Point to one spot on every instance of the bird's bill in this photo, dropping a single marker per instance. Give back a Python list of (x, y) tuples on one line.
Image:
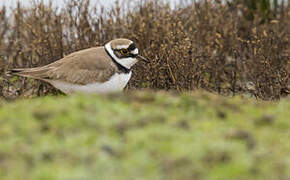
[(143, 58)]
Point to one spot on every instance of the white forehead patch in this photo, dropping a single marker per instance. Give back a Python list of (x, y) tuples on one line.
[(135, 51)]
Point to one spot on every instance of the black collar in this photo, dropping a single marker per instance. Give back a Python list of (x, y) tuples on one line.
[(119, 66)]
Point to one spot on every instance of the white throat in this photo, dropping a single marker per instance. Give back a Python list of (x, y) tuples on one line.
[(126, 62)]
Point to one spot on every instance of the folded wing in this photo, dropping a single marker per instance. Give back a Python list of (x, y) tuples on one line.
[(82, 67)]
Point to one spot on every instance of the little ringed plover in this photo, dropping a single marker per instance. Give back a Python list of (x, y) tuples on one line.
[(103, 69)]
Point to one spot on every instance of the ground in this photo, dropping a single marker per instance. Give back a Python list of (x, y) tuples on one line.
[(144, 135)]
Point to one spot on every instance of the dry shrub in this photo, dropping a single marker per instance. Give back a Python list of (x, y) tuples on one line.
[(197, 45)]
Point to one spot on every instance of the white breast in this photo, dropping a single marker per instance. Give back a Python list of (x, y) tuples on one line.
[(116, 83)]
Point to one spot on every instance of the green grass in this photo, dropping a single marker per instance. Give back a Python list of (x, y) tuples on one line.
[(144, 136)]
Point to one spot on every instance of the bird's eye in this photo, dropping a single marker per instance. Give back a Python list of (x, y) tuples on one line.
[(124, 51)]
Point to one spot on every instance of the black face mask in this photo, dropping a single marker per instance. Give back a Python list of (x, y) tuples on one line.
[(132, 47)]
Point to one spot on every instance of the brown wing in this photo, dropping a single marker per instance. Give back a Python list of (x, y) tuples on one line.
[(82, 67)]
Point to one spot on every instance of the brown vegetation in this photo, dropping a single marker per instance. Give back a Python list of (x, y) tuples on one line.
[(198, 45)]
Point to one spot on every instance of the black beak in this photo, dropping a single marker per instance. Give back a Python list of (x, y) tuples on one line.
[(143, 58)]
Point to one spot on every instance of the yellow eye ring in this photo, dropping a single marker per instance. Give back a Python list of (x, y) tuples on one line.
[(124, 51)]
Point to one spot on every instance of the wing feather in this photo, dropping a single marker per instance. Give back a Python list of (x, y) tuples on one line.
[(82, 67)]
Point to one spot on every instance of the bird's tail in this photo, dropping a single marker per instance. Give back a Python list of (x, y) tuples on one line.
[(36, 73), (13, 72)]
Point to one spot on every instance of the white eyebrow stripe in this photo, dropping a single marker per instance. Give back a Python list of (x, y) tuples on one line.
[(135, 51)]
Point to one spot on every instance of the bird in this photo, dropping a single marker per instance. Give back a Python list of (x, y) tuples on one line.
[(99, 70)]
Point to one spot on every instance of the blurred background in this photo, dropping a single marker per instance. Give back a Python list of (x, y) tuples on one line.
[(227, 47), (106, 3), (212, 104)]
